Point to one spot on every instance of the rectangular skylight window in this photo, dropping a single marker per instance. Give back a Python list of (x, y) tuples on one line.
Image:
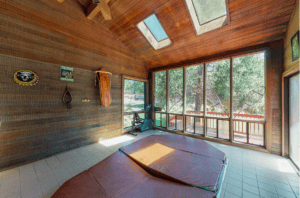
[(209, 10), (207, 15), (154, 32), (155, 27)]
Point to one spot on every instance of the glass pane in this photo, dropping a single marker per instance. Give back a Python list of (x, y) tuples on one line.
[(189, 124), (240, 131), (249, 87), (128, 121), (176, 91), (179, 123), (294, 119), (194, 90), (155, 27), (134, 95), (256, 134), (142, 115), (199, 126), (223, 127), (161, 90), (211, 127), (209, 10), (172, 122), (218, 88), (164, 120), (157, 119)]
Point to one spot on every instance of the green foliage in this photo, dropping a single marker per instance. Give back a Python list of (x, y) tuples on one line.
[(176, 90), (160, 90), (218, 79), (248, 78), (132, 86), (194, 87)]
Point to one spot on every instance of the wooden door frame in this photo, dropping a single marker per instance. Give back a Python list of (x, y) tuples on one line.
[(146, 81)]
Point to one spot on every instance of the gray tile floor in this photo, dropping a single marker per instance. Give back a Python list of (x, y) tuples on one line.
[(250, 174)]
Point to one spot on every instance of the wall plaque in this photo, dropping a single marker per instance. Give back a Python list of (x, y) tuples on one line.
[(26, 78), (67, 73)]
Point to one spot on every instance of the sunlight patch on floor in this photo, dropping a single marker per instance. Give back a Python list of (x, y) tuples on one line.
[(116, 140)]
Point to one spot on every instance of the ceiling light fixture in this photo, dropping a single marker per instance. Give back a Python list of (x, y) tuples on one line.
[(96, 1)]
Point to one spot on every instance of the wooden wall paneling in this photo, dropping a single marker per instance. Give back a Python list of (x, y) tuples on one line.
[(36, 124), (274, 65), (84, 36), (253, 38), (293, 27), (41, 36), (252, 23)]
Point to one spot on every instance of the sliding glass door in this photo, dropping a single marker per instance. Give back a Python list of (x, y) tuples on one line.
[(294, 120), (134, 100)]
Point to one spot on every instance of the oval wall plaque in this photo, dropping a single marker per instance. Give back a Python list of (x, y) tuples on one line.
[(26, 78)]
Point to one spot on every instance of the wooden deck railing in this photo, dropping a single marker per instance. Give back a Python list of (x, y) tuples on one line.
[(247, 128)]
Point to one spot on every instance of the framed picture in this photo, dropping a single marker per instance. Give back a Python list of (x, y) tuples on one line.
[(66, 73), (295, 46)]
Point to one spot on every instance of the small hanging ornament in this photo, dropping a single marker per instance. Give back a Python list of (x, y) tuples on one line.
[(67, 98)]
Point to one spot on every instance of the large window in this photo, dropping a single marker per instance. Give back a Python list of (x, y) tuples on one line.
[(249, 87), (134, 95), (218, 88), (161, 90), (249, 98), (208, 108), (134, 100), (176, 91), (194, 89)]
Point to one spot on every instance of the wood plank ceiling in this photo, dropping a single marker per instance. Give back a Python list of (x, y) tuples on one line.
[(251, 22)]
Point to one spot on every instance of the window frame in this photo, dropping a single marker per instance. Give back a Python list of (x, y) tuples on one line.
[(210, 25), (149, 36), (231, 119), (126, 77)]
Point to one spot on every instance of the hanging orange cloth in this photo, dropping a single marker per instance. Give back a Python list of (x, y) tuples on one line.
[(104, 85)]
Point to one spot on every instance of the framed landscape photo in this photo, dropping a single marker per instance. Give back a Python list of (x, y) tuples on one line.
[(66, 73), (295, 46)]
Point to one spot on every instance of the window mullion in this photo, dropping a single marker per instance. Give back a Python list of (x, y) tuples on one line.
[(231, 101), (167, 91), (204, 101)]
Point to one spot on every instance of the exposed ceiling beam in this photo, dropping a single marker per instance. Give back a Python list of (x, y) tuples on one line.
[(60, 1), (93, 9)]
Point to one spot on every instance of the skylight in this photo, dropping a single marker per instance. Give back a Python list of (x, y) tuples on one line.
[(154, 32), (207, 15), (156, 28)]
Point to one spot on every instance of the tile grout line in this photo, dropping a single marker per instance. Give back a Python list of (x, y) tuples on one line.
[(66, 167), (52, 172), (37, 180)]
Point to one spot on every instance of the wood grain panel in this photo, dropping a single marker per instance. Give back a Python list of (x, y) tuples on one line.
[(60, 33), (293, 28), (274, 68), (36, 124), (41, 36), (252, 22)]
